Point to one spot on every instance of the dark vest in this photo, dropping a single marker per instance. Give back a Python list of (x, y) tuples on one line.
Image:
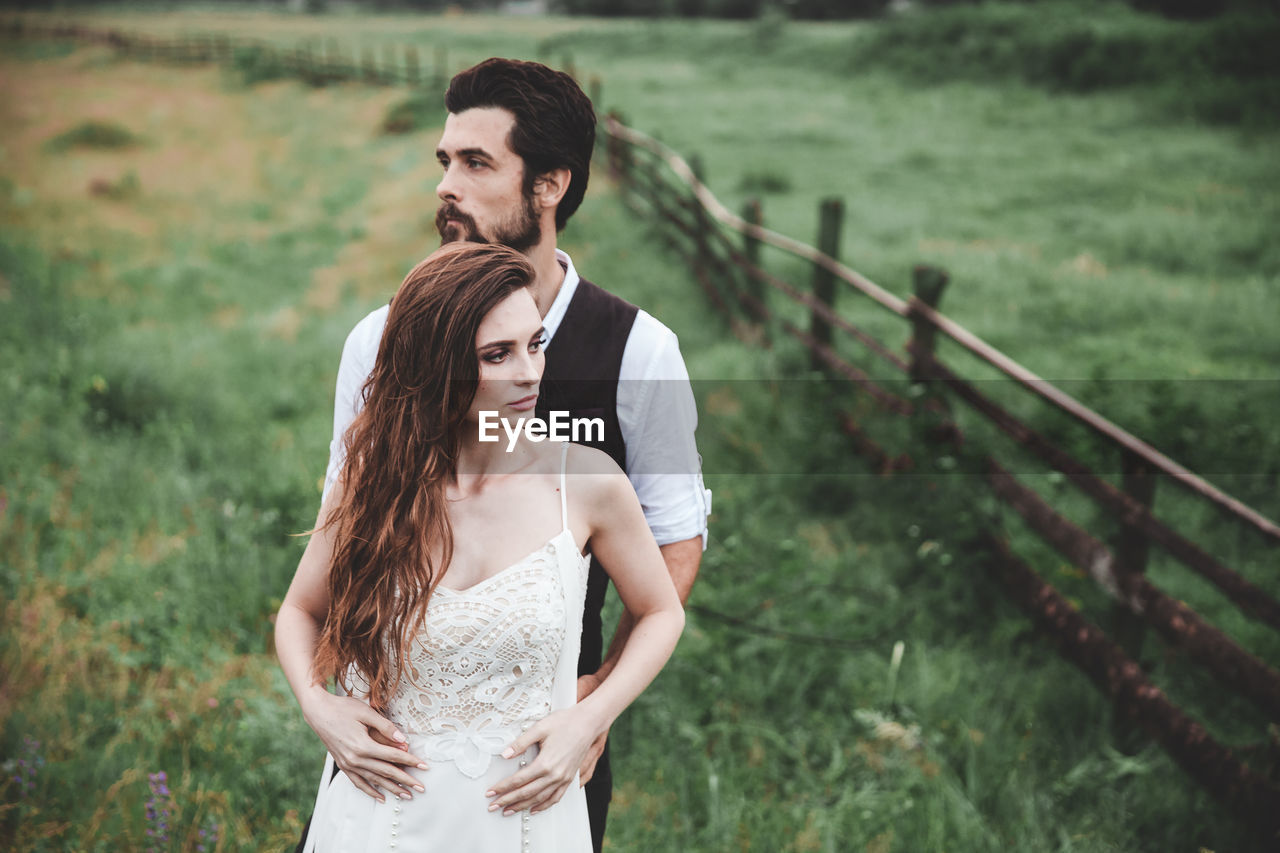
[(584, 359)]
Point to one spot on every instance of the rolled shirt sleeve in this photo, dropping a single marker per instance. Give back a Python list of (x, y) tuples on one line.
[(658, 416)]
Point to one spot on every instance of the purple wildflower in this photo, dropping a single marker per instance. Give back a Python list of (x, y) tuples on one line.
[(208, 837), (158, 808), (28, 766)]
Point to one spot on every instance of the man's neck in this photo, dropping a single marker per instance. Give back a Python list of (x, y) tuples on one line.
[(550, 274)]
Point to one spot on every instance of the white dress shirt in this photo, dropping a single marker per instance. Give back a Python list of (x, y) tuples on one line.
[(656, 413)]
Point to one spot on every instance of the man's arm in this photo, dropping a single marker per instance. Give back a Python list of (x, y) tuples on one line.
[(682, 559), (658, 418), (358, 356)]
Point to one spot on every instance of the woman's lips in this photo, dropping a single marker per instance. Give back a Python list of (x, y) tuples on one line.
[(524, 404)]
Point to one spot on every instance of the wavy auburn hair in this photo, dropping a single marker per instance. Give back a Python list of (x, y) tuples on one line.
[(401, 452)]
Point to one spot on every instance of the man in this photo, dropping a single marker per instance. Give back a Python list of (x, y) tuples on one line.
[(516, 154)]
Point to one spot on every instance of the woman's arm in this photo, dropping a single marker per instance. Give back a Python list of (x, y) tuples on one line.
[(621, 539), (346, 725)]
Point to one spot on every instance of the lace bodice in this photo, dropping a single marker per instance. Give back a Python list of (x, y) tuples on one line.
[(482, 668)]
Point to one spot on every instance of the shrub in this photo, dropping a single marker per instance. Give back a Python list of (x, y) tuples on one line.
[(764, 181), (1228, 65), (416, 112), (94, 134), (257, 63)]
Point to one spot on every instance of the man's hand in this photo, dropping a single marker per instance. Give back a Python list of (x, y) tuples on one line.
[(586, 686), (366, 746)]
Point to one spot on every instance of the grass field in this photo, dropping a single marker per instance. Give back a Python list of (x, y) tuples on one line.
[(171, 312)]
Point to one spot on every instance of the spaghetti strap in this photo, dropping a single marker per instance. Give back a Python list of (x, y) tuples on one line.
[(564, 504)]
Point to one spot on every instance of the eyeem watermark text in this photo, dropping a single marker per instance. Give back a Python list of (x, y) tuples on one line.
[(559, 427)]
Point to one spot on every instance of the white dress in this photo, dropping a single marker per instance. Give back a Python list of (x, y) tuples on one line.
[(491, 660)]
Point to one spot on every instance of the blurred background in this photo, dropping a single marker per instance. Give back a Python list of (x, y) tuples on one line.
[(199, 200)]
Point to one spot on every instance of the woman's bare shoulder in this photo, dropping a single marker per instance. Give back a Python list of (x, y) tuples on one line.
[(589, 460), (595, 474)]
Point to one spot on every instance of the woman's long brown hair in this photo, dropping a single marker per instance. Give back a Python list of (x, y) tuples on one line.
[(392, 539)]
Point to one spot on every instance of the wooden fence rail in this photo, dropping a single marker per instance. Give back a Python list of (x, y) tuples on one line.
[(653, 178), (391, 65), (953, 330)]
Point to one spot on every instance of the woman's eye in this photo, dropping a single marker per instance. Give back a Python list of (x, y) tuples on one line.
[(537, 343), (495, 357)]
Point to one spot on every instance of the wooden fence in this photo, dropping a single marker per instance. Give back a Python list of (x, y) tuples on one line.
[(723, 249), (316, 61), (657, 181)]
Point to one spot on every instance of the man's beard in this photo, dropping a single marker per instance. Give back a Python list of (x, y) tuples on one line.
[(521, 233)]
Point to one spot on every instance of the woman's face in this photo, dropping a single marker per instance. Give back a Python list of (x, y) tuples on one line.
[(509, 349)]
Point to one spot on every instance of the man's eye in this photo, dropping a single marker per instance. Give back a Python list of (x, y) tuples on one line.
[(475, 164)]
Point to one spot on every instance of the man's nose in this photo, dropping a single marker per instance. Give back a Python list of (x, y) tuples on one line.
[(446, 190)]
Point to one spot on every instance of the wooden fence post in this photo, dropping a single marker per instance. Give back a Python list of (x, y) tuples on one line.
[(597, 104), (307, 63), (412, 70), (332, 64), (1138, 480), (830, 219), (1130, 549), (928, 283), (753, 213), (593, 92), (613, 148), (701, 259), (390, 66), (440, 71)]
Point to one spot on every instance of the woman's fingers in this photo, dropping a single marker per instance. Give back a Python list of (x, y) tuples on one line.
[(395, 755), (363, 785), (533, 735), (389, 777), (520, 799), (536, 785), (382, 728), (588, 768), (555, 795)]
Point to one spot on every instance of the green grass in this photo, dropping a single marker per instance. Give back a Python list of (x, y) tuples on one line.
[(166, 364)]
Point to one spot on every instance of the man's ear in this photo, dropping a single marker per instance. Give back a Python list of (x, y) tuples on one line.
[(550, 187)]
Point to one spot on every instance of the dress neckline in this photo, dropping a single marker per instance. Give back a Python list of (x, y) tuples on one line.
[(526, 558)]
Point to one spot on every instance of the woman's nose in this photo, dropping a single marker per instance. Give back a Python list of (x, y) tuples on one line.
[(531, 364)]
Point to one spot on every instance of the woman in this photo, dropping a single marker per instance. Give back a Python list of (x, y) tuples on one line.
[(443, 586)]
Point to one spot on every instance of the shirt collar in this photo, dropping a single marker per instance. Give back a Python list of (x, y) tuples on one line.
[(555, 314)]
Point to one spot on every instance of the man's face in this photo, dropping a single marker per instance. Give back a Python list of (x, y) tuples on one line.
[(481, 189)]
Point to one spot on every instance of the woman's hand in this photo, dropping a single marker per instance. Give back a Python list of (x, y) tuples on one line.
[(563, 739), (365, 745)]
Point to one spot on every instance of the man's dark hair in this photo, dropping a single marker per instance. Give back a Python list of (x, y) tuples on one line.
[(555, 124)]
